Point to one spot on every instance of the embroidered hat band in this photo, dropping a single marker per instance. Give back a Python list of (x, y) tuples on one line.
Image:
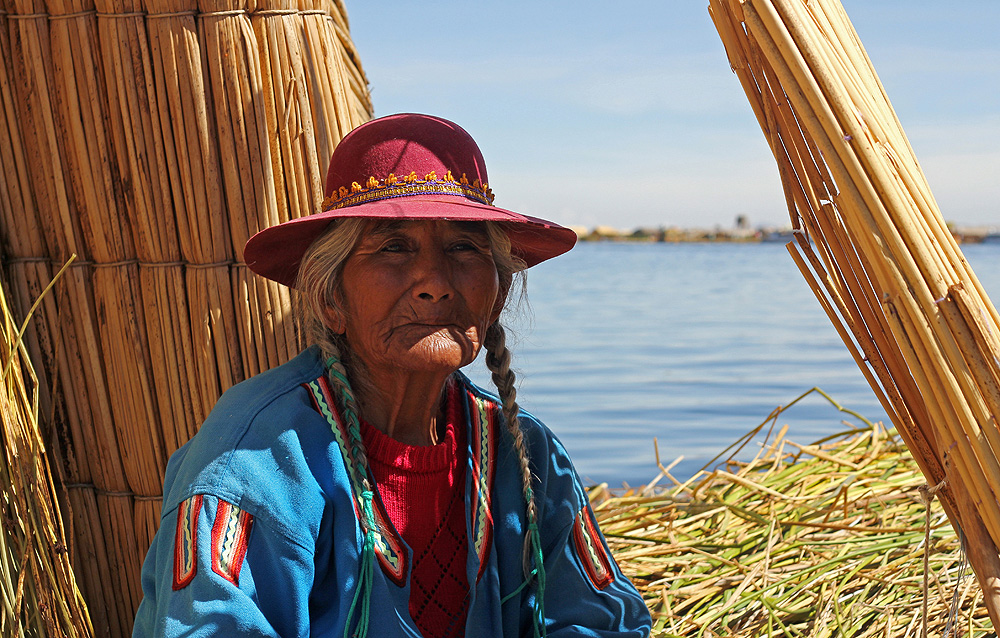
[(392, 186)]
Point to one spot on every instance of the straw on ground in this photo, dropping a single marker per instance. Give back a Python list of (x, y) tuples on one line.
[(828, 539)]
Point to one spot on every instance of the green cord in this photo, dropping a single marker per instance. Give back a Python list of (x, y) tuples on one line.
[(533, 549), (520, 588), (539, 571), (366, 573)]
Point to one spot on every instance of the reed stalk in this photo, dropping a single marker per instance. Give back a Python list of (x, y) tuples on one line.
[(37, 583)]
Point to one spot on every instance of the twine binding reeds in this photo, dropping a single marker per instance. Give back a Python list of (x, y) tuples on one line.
[(152, 138), (874, 248)]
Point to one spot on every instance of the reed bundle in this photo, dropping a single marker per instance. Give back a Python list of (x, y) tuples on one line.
[(837, 538), (875, 249), (152, 138), (39, 592)]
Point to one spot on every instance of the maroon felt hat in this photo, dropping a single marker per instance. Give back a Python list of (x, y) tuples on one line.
[(405, 166)]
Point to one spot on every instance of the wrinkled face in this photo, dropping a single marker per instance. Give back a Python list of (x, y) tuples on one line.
[(418, 296)]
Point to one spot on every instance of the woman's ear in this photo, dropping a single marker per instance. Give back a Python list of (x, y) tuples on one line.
[(334, 320)]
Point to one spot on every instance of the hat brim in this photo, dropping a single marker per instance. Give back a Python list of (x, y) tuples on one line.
[(276, 252)]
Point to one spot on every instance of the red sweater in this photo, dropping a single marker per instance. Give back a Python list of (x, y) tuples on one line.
[(423, 490)]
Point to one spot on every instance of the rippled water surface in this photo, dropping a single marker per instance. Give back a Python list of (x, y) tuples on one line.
[(693, 344)]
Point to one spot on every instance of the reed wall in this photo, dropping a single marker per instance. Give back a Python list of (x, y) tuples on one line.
[(151, 138)]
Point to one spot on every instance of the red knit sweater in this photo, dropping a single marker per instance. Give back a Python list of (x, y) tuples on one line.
[(423, 489)]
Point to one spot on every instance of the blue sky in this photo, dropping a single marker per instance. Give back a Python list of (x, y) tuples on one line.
[(627, 113)]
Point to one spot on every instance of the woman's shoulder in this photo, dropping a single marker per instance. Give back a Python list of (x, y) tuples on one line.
[(262, 405), (255, 448), (254, 394), (535, 430), (559, 489)]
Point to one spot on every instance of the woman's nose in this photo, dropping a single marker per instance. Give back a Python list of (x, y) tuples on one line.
[(432, 276)]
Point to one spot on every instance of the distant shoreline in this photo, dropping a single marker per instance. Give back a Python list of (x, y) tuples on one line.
[(745, 235)]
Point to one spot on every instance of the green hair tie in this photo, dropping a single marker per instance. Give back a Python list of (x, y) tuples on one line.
[(533, 538), (363, 592), (539, 572)]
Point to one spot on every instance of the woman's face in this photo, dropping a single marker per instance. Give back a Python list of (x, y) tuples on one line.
[(418, 296)]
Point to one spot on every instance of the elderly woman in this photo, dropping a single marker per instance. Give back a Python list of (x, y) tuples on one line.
[(367, 487)]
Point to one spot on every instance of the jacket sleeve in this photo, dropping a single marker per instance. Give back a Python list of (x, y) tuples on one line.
[(215, 570)]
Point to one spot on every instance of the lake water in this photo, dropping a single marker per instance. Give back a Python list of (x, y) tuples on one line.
[(693, 344)]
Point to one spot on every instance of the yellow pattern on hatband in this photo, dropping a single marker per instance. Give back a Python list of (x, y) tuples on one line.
[(392, 186)]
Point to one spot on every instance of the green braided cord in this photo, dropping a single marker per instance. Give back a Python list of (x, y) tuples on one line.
[(534, 540), (363, 591), (520, 588), (539, 571)]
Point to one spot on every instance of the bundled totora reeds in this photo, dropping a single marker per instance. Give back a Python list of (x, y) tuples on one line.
[(151, 138), (839, 538), (875, 249)]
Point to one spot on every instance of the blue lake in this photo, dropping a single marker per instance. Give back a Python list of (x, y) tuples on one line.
[(692, 344)]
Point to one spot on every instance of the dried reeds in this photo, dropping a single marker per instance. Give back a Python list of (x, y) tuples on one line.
[(838, 538), (152, 138), (875, 249), (39, 591)]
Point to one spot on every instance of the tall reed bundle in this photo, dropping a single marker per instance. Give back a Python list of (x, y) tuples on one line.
[(875, 249), (838, 538), (152, 138), (39, 592)]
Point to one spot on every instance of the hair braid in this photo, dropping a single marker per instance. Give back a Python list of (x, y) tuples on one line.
[(337, 374), (498, 361)]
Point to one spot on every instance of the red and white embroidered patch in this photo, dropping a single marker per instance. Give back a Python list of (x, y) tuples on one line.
[(230, 534), (186, 541), (590, 550)]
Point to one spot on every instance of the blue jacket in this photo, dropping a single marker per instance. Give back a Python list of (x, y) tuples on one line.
[(259, 534)]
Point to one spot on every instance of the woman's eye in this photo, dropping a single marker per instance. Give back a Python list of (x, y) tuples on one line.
[(393, 247), (465, 245)]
